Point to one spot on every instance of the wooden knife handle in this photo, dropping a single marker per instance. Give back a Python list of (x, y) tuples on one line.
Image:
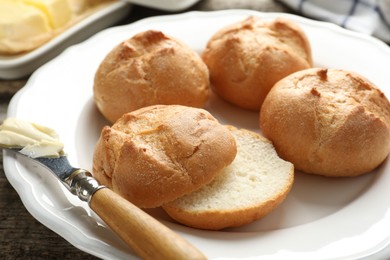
[(149, 238)]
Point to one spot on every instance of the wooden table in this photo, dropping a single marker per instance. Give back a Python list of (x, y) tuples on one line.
[(23, 237)]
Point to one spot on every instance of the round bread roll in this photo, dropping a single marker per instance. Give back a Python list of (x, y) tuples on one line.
[(148, 69), (246, 59), (156, 154), (327, 121), (253, 185)]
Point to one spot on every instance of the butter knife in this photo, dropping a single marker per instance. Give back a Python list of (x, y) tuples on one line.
[(148, 237)]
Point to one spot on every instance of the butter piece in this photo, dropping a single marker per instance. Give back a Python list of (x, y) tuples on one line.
[(19, 22), (28, 24), (33, 139), (58, 12)]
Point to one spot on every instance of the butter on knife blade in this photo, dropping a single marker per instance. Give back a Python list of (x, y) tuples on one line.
[(33, 139)]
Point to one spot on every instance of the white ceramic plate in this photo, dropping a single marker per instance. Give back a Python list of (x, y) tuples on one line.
[(322, 218), (19, 66)]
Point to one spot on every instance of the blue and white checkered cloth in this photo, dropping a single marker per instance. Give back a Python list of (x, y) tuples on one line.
[(367, 16)]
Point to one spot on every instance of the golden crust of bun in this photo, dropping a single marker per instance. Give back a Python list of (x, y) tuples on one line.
[(247, 58), (148, 69), (156, 154), (329, 122)]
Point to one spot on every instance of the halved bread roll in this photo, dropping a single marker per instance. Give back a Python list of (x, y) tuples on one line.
[(254, 184), (158, 153)]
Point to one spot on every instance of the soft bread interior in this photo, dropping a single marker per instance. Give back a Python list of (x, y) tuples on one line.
[(255, 183)]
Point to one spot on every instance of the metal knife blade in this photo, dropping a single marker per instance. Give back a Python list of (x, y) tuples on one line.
[(60, 166), (78, 181)]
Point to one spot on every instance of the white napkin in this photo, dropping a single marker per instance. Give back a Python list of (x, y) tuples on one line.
[(367, 16)]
